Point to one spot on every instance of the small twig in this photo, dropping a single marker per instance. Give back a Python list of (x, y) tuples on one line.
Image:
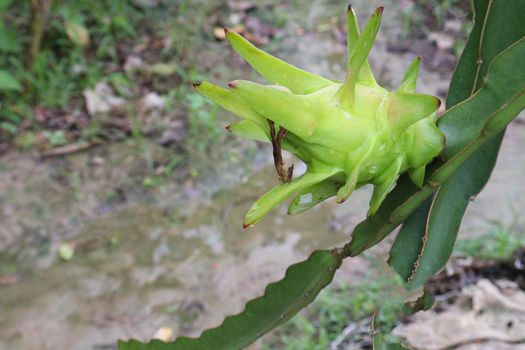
[(69, 148), (351, 328), (482, 340), (38, 14), (284, 175)]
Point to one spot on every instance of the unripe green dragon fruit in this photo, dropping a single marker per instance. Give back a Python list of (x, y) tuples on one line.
[(348, 134)]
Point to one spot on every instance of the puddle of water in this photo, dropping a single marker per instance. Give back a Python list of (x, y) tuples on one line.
[(145, 267)]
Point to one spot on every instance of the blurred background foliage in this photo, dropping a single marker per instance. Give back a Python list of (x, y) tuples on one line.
[(78, 73)]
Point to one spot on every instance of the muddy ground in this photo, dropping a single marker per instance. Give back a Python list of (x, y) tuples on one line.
[(141, 257)]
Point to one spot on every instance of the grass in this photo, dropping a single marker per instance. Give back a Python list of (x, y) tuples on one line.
[(169, 39), (499, 242), (64, 65)]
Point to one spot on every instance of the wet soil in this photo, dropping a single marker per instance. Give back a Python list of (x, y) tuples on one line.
[(175, 254)]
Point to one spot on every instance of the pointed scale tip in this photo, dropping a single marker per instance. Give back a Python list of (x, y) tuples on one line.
[(379, 10), (226, 30), (245, 226), (228, 128), (233, 84), (349, 8), (196, 85)]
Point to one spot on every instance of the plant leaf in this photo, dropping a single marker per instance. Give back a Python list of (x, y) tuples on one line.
[(4, 5), (497, 27), (9, 39), (281, 301), (77, 33), (8, 82)]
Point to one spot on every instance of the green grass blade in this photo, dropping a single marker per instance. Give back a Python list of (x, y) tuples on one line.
[(281, 301), (8, 82)]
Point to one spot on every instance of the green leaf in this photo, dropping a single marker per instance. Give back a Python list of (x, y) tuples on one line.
[(379, 343), (497, 26), (4, 5), (281, 301), (8, 82), (9, 40), (9, 127), (77, 33), (164, 69)]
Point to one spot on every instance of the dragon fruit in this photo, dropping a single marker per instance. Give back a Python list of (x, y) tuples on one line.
[(349, 133)]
